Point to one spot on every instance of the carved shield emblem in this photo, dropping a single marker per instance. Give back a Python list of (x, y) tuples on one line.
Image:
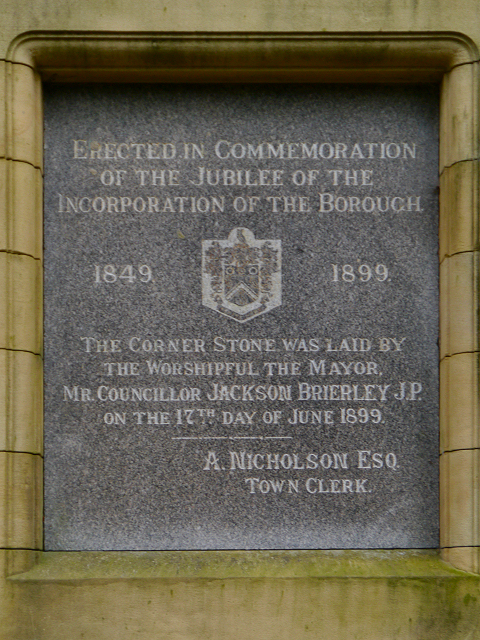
[(241, 276)]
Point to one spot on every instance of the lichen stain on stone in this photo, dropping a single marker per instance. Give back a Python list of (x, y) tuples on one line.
[(469, 598)]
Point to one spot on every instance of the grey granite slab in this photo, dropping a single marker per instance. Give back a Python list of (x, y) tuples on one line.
[(241, 317)]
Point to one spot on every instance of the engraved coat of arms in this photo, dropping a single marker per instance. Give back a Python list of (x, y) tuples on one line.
[(241, 276)]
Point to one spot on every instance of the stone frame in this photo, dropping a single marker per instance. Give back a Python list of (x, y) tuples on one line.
[(448, 58)]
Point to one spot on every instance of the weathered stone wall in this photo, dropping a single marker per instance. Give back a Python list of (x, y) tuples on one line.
[(186, 595)]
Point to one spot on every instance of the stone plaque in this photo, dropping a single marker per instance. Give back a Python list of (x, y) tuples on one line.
[(241, 316)]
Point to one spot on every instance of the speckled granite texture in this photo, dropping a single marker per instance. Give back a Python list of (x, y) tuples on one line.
[(241, 317)]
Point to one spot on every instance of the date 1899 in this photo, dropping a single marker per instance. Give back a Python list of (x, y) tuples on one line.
[(364, 273)]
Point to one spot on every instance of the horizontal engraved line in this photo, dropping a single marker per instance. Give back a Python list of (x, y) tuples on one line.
[(200, 438), (232, 437)]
